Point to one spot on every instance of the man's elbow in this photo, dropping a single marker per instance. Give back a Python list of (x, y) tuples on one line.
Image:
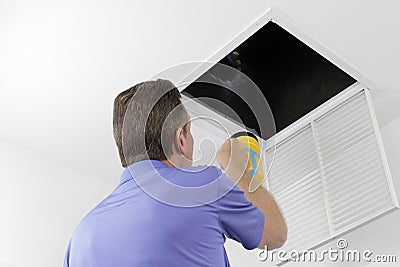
[(274, 240), (282, 236)]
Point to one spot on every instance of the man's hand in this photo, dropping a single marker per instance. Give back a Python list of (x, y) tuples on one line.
[(233, 159)]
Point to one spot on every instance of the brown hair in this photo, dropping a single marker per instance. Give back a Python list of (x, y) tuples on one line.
[(153, 109)]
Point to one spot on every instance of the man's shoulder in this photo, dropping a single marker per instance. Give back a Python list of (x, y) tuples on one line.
[(197, 175)]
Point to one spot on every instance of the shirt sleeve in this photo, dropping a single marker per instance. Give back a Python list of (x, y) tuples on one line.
[(239, 219), (66, 257)]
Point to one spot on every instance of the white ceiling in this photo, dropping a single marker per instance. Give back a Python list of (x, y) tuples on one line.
[(62, 63)]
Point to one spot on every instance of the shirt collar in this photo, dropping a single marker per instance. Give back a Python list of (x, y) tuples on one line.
[(140, 167)]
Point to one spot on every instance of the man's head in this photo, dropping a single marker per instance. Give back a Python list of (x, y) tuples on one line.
[(150, 122)]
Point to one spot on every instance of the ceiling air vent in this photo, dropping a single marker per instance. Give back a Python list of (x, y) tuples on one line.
[(329, 172)]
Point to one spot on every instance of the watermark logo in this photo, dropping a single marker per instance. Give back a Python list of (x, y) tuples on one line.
[(342, 243), (136, 127), (340, 253)]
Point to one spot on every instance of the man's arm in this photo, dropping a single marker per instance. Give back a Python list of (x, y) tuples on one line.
[(234, 160)]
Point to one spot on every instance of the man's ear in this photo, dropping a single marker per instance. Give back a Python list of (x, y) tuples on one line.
[(179, 140)]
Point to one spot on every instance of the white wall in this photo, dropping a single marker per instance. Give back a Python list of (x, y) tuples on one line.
[(41, 202), (63, 62), (391, 140)]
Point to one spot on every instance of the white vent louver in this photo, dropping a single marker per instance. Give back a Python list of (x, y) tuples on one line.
[(329, 173), (295, 182)]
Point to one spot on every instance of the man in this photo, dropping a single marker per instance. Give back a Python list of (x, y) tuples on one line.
[(135, 226)]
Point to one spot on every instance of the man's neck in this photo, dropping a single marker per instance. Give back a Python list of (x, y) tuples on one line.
[(169, 164)]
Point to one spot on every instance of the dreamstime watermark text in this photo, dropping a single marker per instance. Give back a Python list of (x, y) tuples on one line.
[(340, 253)]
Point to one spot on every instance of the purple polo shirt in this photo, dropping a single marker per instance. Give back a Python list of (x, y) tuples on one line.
[(131, 227)]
